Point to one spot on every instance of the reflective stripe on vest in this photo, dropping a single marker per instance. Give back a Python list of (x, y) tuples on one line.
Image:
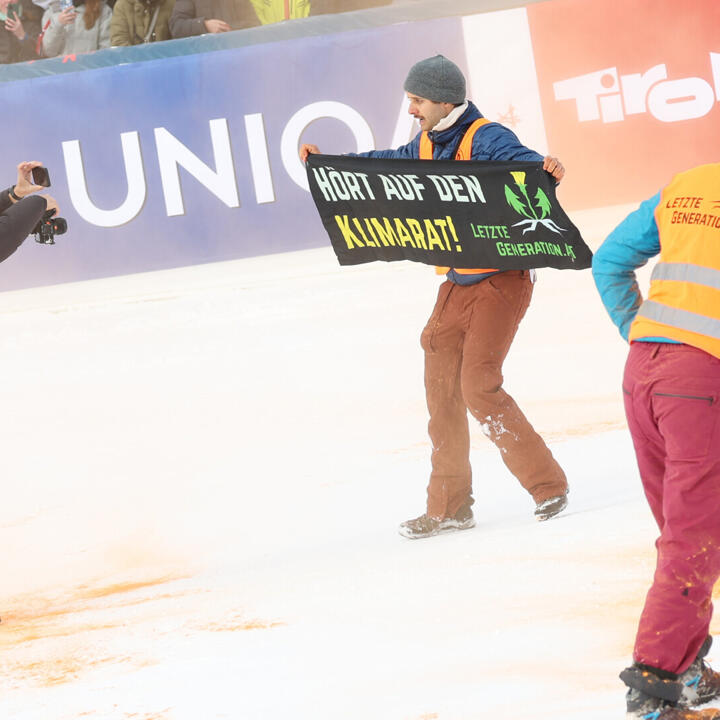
[(683, 302), (464, 152), (683, 319), (684, 272), (680, 319)]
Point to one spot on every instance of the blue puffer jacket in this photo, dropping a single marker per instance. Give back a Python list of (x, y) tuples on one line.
[(491, 142)]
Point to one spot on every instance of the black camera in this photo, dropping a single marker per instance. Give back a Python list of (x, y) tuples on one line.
[(48, 227)]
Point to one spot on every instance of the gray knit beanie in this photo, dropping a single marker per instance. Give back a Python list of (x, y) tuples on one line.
[(437, 79)]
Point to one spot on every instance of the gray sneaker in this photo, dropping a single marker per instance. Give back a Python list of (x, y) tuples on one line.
[(551, 507), (426, 526)]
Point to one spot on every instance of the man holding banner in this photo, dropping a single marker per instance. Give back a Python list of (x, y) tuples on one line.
[(478, 309)]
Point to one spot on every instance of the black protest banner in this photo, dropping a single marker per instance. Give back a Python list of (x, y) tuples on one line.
[(473, 214)]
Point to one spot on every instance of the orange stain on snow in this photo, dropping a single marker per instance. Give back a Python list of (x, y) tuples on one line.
[(123, 587), (242, 625), (52, 641), (38, 619), (58, 671), (235, 625)]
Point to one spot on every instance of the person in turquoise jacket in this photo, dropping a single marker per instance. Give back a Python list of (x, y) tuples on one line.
[(671, 393), (626, 249)]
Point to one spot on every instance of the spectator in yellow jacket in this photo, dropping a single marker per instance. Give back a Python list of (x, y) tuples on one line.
[(272, 11)]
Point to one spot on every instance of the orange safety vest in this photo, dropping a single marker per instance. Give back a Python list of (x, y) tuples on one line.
[(683, 302), (464, 152)]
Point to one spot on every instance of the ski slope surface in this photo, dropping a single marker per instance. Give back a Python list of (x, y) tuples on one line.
[(203, 474)]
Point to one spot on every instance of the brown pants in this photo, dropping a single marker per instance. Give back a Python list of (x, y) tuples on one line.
[(466, 340)]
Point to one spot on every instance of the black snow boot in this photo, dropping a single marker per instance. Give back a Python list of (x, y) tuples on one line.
[(701, 683), (654, 694)]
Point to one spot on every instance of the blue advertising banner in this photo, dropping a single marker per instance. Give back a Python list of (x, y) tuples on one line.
[(193, 159)]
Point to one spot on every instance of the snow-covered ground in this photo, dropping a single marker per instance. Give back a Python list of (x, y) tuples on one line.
[(203, 474)]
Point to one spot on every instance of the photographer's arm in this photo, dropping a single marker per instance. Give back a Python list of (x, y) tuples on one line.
[(18, 220), (5, 201)]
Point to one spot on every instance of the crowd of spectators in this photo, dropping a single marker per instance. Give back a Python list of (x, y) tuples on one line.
[(33, 29)]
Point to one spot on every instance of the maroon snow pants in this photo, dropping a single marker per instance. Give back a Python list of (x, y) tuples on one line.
[(672, 402), (466, 340)]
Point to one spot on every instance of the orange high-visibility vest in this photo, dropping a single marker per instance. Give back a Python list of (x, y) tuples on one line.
[(683, 302), (464, 152)]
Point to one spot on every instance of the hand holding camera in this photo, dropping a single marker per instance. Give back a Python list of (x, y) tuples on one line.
[(16, 28), (67, 17), (13, 23), (32, 176), (67, 12), (24, 211)]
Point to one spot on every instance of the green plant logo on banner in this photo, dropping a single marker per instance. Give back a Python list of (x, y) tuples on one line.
[(526, 208)]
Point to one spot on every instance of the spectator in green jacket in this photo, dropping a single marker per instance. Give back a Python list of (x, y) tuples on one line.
[(135, 22)]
